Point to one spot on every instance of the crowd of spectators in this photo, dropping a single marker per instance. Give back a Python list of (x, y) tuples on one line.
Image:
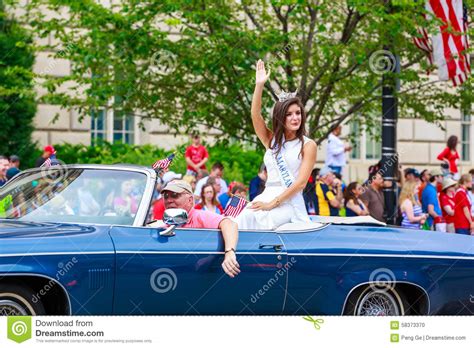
[(439, 199)]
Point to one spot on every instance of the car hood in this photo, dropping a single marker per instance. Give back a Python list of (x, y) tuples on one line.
[(17, 229)]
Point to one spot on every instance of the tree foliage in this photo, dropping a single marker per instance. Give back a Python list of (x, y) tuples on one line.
[(17, 98), (191, 62)]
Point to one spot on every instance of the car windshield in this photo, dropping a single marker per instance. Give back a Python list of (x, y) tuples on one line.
[(97, 196)]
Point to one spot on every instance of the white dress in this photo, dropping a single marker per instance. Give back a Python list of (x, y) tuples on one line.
[(292, 210)]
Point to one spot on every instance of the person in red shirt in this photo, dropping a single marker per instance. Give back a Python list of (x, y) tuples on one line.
[(462, 207), (178, 194), (158, 209), (446, 200), (451, 156), (196, 156)]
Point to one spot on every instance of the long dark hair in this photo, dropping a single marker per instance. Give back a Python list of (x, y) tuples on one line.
[(452, 142), (214, 196), (278, 122), (348, 194)]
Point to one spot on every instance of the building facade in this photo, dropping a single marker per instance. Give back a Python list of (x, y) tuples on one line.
[(419, 142)]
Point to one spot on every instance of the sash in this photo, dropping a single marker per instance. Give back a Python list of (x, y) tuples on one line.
[(286, 177)]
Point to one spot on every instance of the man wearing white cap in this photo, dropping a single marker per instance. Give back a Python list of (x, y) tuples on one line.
[(179, 194)]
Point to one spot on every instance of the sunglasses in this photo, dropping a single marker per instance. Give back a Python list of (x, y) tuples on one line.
[(173, 195)]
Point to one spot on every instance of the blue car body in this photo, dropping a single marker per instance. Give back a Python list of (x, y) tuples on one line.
[(103, 269)]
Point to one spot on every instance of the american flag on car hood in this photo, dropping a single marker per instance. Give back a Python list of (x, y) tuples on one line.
[(235, 206)]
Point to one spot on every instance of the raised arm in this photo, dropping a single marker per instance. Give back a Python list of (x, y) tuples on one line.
[(261, 129)]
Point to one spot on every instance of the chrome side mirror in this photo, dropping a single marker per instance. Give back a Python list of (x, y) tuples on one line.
[(174, 218)]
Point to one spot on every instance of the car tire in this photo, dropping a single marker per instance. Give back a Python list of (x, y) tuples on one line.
[(377, 301), (18, 300)]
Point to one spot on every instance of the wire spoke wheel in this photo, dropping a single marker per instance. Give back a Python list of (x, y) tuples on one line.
[(379, 303), (8, 307), (18, 300)]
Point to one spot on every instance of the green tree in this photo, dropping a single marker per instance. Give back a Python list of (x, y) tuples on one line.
[(17, 98), (191, 62)]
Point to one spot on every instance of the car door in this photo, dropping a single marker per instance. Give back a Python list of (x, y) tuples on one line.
[(182, 274)]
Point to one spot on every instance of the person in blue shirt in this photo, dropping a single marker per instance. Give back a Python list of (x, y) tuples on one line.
[(235, 189), (257, 184), (430, 202)]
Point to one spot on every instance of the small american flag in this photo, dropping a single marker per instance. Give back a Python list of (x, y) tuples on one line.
[(235, 206), (163, 163), (50, 161)]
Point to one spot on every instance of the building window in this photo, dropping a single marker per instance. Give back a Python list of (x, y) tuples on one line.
[(123, 128), (355, 140), (466, 135), (112, 126), (98, 127), (373, 147)]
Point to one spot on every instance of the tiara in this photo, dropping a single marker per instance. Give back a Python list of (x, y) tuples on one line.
[(286, 95)]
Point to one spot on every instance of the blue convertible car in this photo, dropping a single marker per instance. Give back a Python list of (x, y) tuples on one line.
[(77, 240)]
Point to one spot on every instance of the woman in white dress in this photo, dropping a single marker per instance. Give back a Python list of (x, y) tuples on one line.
[(289, 159)]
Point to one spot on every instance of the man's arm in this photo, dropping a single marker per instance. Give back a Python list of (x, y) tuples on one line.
[(191, 163), (448, 210), (204, 159), (230, 234), (364, 197), (467, 213), (336, 201), (431, 211), (200, 164)]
